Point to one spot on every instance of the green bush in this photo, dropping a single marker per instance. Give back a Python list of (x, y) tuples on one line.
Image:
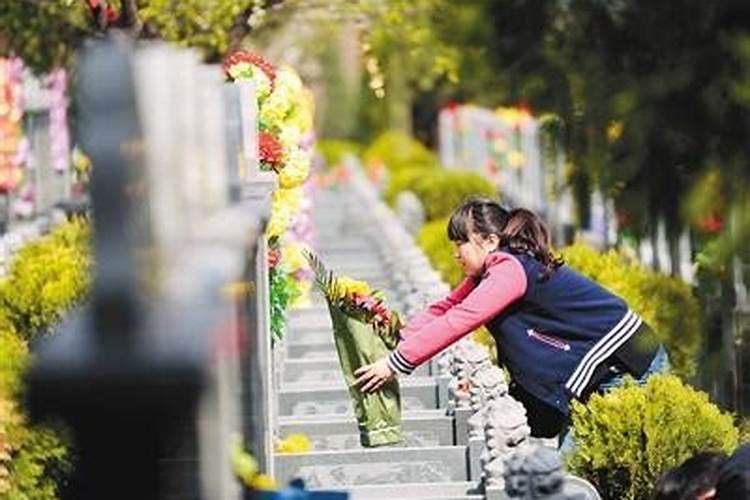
[(433, 240), (398, 151), (743, 425), (39, 465), (666, 303), (46, 278), (403, 180), (334, 150), (628, 437), (33, 460), (443, 191)]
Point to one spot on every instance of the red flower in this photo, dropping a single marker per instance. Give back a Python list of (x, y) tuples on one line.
[(274, 256), (711, 224), (259, 61), (269, 150)]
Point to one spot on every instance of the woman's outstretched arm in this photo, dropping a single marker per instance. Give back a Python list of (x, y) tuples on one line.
[(504, 284)]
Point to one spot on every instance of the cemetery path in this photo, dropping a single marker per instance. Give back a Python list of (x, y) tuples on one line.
[(312, 397)]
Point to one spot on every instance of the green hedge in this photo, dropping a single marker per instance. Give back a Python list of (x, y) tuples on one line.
[(46, 278), (440, 191), (398, 151), (433, 240), (664, 302), (627, 438), (334, 150)]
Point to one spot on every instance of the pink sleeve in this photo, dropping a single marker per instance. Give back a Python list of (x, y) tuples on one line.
[(437, 309), (504, 284)]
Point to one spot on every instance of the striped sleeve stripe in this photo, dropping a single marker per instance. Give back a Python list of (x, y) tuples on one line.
[(585, 361), (624, 329), (626, 334), (399, 364), (599, 353)]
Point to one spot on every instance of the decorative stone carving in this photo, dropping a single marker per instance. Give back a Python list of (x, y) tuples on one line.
[(410, 211), (487, 387), (506, 429), (535, 472)]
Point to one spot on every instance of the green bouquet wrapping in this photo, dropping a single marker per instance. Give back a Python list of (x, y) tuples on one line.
[(364, 331)]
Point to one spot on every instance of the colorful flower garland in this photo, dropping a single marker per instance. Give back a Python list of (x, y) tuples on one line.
[(285, 118), (57, 83), (13, 145)]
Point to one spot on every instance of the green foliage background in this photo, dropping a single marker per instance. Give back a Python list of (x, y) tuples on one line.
[(627, 438), (46, 279)]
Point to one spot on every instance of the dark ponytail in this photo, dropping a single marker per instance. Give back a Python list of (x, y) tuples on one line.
[(526, 232)]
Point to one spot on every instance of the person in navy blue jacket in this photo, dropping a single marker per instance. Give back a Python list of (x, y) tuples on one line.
[(560, 335)]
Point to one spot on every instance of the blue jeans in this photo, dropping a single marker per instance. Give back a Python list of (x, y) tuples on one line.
[(660, 364)]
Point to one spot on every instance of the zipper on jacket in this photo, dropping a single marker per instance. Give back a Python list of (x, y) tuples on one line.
[(546, 339)]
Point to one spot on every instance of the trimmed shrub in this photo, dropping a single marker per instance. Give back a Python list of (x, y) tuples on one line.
[(666, 303), (334, 150), (403, 180), (443, 191), (743, 425), (433, 239), (627, 438), (33, 460), (398, 151), (46, 278)]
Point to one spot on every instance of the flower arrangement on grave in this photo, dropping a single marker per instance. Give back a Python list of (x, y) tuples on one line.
[(364, 330), (244, 65), (285, 117)]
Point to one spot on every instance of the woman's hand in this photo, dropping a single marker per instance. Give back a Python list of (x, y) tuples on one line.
[(372, 377)]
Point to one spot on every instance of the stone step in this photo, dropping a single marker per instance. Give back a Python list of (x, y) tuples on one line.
[(335, 400), (308, 322), (384, 466), (432, 428), (417, 491), (325, 369), (302, 349)]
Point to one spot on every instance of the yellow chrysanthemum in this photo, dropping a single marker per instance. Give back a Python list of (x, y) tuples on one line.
[(296, 168), (293, 256), (277, 224), (247, 71), (294, 443), (303, 114), (275, 110), (264, 482), (290, 136), (348, 288), (285, 205), (288, 79)]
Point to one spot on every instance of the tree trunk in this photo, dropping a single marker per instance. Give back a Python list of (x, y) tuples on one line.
[(398, 95)]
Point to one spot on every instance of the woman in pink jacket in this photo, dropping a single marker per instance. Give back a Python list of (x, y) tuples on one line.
[(560, 335)]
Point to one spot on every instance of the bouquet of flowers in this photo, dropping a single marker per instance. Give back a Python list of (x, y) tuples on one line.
[(364, 330)]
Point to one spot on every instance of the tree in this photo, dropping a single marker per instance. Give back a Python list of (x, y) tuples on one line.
[(46, 33)]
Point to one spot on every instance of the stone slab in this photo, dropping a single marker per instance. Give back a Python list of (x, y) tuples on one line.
[(339, 433), (332, 469), (335, 400)]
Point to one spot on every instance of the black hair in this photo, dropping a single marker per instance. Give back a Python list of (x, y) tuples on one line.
[(482, 216), (696, 476), (521, 230)]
